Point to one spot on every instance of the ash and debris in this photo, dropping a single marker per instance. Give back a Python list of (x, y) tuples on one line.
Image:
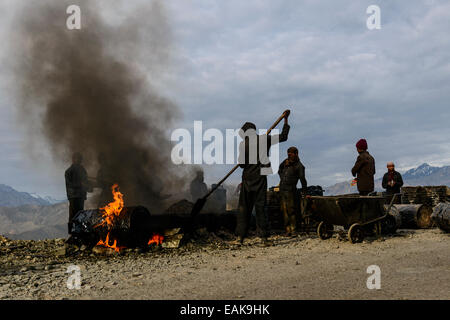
[(38, 269)]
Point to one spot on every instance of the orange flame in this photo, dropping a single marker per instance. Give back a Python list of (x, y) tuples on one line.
[(158, 239), (106, 244), (110, 212), (112, 209)]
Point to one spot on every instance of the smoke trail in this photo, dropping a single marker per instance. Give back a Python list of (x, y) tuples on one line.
[(84, 90)]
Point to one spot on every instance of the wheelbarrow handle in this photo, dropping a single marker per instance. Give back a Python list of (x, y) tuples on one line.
[(392, 202)]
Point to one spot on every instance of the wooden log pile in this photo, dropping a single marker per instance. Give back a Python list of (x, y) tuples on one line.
[(427, 195), (415, 216), (441, 216)]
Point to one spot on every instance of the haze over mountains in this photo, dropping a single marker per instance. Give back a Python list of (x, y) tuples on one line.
[(423, 175)]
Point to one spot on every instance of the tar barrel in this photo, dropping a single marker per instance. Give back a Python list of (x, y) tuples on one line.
[(415, 216), (441, 216), (132, 228), (394, 212)]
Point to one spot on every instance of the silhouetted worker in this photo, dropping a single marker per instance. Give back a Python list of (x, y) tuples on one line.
[(253, 192), (198, 187), (392, 180), (364, 169), (104, 182), (290, 171), (77, 186)]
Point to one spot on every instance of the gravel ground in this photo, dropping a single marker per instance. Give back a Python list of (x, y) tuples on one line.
[(414, 264)]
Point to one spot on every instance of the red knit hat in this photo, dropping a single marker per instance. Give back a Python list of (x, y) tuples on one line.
[(362, 144)]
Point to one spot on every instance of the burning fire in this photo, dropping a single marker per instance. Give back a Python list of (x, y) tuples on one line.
[(112, 211), (106, 244), (158, 239)]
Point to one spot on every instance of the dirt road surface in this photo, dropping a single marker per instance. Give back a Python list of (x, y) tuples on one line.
[(414, 264)]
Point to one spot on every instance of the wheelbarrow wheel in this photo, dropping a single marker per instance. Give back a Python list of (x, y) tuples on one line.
[(389, 225), (377, 228), (325, 230), (355, 233)]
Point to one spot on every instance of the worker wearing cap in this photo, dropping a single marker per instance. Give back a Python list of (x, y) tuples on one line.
[(392, 180), (290, 171), (364, 169)]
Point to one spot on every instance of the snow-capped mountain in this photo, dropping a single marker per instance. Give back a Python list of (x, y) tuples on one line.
[(427, 175), (421, 171), (49, 199), (10, 197)]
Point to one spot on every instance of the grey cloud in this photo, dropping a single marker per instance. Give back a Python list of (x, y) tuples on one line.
[(248, 60)]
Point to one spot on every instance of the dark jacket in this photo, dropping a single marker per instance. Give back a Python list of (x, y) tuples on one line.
[(364, 170), (77, 183), (251, 175), (397, 177), (290, 173)]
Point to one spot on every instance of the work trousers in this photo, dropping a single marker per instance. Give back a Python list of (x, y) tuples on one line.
[(249, 198), (289, 210)]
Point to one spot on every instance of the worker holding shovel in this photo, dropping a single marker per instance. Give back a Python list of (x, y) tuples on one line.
[(254, 181), (253, 158)]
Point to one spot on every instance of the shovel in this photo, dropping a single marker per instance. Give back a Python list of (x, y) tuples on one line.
[(200, 203)]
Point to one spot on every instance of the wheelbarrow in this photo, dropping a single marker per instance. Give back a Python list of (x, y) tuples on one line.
[(360, 215)]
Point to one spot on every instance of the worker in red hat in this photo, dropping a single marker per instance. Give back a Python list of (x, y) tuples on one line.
[(364, 169)]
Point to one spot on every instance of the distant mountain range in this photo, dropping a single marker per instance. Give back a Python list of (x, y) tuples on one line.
[(34, 222), (423, 175), (10, 197), (27, 216)]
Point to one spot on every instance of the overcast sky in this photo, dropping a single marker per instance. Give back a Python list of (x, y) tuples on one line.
[(238, 61)]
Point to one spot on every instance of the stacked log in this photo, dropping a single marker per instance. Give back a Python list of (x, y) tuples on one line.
[(428, 195), (441, 216), (415, 216)]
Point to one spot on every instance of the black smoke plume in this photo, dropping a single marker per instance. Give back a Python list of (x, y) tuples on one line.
[(87, 91)]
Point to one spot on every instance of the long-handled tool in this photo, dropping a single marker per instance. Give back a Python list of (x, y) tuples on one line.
[(200, 203)]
